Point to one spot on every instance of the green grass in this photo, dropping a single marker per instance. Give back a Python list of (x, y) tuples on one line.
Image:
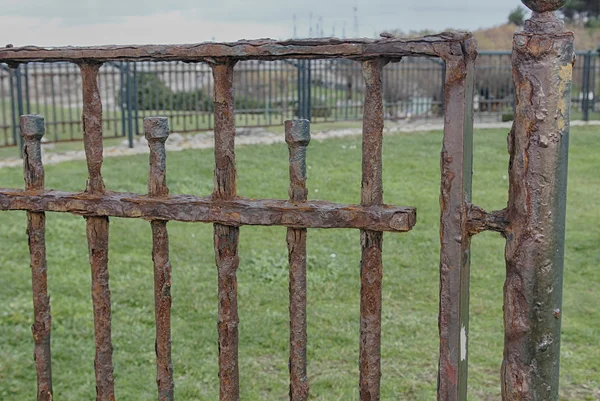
[(60, 147), (410, 292)]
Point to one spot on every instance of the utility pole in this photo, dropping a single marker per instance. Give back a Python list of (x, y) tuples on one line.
[(294, 32), (356, 29)]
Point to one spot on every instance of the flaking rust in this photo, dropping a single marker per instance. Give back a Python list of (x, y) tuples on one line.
[(440, 45), (157, 131), (297, 136), (32, 131), (97, 234), (455, 238), (226, 237), (371, 264), (538, 147)]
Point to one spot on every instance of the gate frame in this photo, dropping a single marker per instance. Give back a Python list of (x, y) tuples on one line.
[(533, 222)]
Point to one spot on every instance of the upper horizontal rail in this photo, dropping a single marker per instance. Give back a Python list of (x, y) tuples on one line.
[(441, 45), (236, 212)]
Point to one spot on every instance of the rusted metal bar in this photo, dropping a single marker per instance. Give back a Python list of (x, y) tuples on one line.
[(157, 131), (92, 126), (97, 234), (391, 47), (456, 168), (297, 136), (32, 131), (371, 265), (226, 237), (538, 146), (235, 212), (478, 220)]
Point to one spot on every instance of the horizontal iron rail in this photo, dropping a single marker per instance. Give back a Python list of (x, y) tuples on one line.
[(235, 212), (435, 45)]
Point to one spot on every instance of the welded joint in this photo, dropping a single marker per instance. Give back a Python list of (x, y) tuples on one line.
[(478, 220)]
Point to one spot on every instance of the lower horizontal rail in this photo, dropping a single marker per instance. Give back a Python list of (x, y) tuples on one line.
[(236, 212)]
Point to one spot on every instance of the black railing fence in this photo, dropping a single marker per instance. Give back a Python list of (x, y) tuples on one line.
[(267, 93)]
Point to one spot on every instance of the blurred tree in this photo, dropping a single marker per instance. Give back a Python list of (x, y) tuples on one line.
[(582, 12), (517, 16)]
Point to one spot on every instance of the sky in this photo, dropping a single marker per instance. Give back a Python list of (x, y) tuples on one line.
[(93, 22)]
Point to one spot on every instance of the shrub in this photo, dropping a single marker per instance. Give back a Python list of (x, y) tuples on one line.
[(154, 94), (517, 16)]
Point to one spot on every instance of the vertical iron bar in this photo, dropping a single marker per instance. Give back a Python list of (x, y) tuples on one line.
[(13, 111), (297, 136), (538, 147), (61, 99), (456, 169), (268, 95), (371, 267), (308, 96), (27, 100), (3, 108), (53, 94), (226, 237), (586, 87), (97, 234), (44, 88), (300, 84), (184, 97), (129, 105), (136, 110), (32, 130), (122, 96), (443, 96), (19, 102), (70, 104), (157, 132), (197, 97)]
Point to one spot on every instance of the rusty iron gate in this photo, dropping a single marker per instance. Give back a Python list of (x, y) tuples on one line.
[(532, 223)]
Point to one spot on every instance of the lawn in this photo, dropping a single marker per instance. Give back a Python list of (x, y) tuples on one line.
[(410, 292)]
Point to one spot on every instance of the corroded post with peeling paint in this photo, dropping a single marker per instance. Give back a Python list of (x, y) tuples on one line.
[(538, 146), (32, 131), (226, 237), (457, 169), (97, 234), (157, 131), (371, 265), (297, 136)]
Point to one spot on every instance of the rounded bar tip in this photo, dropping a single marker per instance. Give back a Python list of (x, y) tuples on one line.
[(156, 128), (297, 132), (32, 126), (542, 6)]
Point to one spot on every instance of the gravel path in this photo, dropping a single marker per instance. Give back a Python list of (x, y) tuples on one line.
[(244, 136)]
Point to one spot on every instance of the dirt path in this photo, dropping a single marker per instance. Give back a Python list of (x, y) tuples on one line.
[(244, 136)]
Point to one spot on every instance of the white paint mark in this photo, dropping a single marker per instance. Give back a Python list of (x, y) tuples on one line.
[(463, 344)]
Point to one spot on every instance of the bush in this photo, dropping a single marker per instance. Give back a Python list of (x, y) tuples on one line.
[(154, 94), (508, 117), (517, 16), (319, 108)]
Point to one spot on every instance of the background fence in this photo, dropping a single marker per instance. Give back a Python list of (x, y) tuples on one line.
[(267, 93)]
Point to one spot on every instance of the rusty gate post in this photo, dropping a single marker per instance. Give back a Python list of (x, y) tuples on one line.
[(156, 130), (538, 147), (455, 240), (32, 131), (297, 136)]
